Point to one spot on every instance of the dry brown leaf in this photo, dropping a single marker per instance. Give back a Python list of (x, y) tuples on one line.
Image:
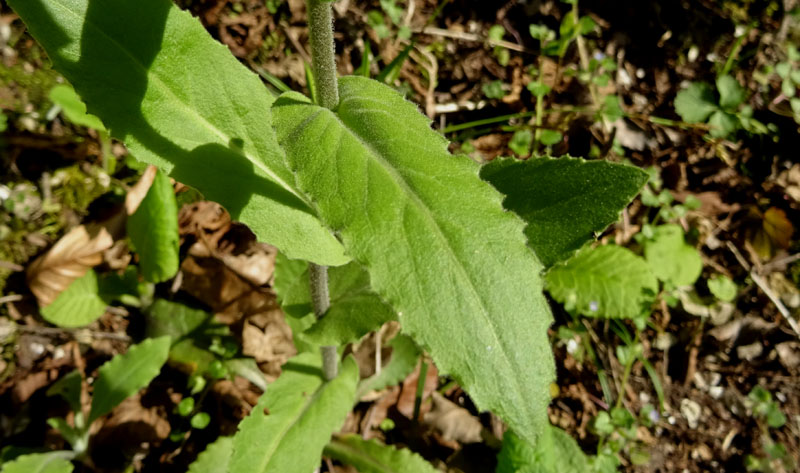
[(268, 338), (208, 218), (408, 393), (775, 232), (454, 422), (778, 227), (131, 429), (69, 259), (82, 248)]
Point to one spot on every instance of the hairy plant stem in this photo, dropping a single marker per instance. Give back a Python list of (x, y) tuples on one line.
[(321, 300), (323, 58)]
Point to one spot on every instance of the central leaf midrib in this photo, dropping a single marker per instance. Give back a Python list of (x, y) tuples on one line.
[(463, 273), (293, 420), (191, 113), (365, 456)]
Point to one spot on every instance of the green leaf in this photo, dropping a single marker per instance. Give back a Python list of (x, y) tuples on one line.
[(215, 458), (355, 309), (126, 374), (557, 452), (192, 331), (670, 258), (248, 369), (181, 101), (73, 107), (731, 94), (723, 124), (551, 137), (174, 319), (294, 419), (775, 418), (80, 304), (493, 89), (153, 230), (371, 456), (50, 462), (723, 288), (200, 420), (68, 387), (73, 435), (696, 103), (292, 288), (521, 142), (565, 201), (607, 281), (405, 355), (434, 238)]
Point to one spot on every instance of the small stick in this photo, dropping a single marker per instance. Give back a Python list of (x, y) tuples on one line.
[(766, 289)]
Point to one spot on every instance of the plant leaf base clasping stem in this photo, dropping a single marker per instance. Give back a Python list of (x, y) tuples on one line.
[(323, 54)]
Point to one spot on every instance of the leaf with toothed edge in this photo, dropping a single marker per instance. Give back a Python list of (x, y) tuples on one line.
[(565, 201), (434, 238)]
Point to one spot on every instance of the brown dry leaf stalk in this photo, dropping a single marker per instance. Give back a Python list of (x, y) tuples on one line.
[(82, 248)]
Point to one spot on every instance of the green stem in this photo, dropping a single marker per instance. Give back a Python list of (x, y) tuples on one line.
[(323, 58), (323, 53)]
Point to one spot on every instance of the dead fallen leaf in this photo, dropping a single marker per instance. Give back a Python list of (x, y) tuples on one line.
[(790, 181), (771, 231), (229, 296), (778, 227), (24, 388), (454, 422), (132, 428), (268, 338), (207, 222), (69, 259), (408, 393), (82, 247), (789, 355)]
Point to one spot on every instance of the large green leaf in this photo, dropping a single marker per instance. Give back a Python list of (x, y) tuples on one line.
[(371, 456), (215, 458), (153, 230), (181, 101), (126, 374), (673, 260), (294, 419), (50, 462), (565, 201), (607, 281), (556, 453), (434, 238)]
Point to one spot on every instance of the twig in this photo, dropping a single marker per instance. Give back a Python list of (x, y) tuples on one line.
[(11, 298), (786, 260), (766, 289), (74, 333), (9, 265), (460, 35)]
